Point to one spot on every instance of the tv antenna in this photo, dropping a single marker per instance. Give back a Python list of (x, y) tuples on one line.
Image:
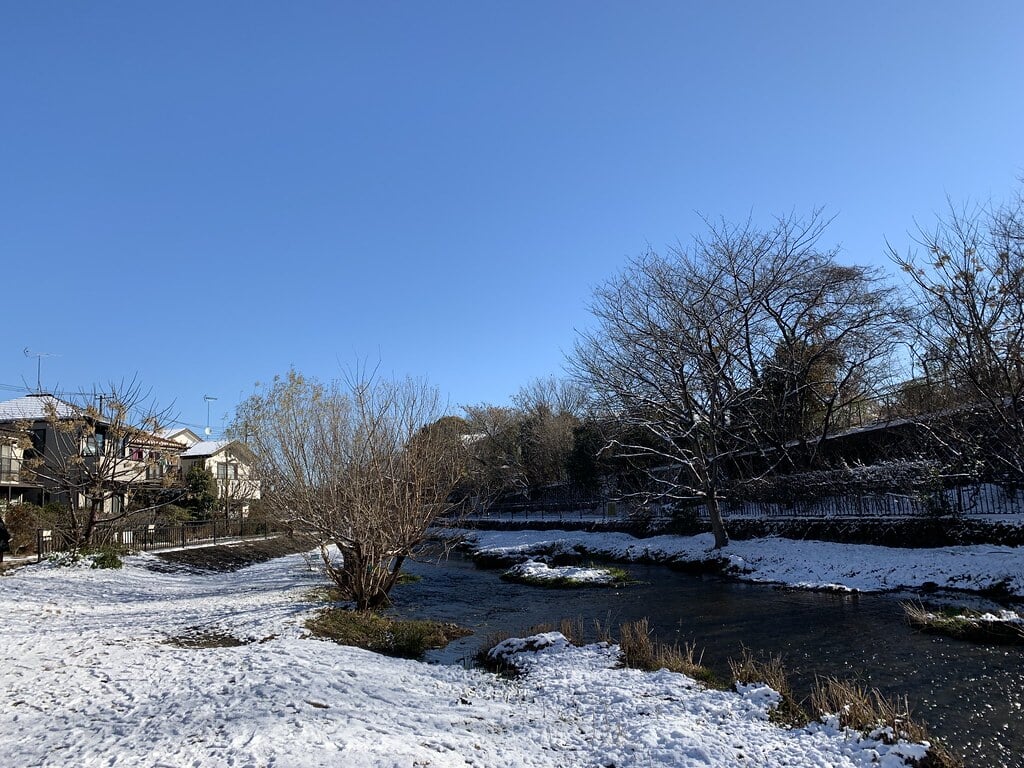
[(208, 399), (39, 366)]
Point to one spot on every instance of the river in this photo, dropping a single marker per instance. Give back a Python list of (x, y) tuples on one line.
[(970, 695)]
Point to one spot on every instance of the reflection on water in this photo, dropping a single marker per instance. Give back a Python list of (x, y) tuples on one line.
[(969, 695)]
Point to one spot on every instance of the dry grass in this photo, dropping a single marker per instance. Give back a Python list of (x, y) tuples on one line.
[(868, 711), (770, 671), (572, 629), (642, 650)]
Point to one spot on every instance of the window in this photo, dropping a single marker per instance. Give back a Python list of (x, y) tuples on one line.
[(39, 441), (10, 465), (93, 444), (226, 471)]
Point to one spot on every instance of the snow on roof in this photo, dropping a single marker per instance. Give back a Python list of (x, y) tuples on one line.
[(206, 448), (34, 408)]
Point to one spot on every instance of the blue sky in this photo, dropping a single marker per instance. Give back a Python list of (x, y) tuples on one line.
[(202, 194)]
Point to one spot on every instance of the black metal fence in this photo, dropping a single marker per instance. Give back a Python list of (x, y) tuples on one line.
[(984, 500), (143, 538), (981, 500), (555, 511)]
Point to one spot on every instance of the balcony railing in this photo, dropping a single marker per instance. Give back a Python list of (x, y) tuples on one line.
[(10, 471)]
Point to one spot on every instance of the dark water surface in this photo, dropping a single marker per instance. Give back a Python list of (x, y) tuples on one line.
[(970, 695)]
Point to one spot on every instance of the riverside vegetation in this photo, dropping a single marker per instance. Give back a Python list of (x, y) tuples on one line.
[(853, 706)]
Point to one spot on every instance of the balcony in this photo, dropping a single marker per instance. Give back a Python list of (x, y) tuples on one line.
[(10, 473)]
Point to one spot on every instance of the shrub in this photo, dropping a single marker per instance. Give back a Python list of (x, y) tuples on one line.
[(105, 557), (98, 557), (24, 519)]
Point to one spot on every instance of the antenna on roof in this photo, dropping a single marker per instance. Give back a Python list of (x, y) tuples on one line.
[(39, 366), (208, 398)]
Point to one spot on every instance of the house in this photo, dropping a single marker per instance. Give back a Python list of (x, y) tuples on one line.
[(181, 435), (53, 450), (230, 462), (25, 419), (12, 487)]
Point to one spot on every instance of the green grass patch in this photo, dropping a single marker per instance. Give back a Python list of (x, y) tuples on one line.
[(327, 594), (407, 639), (964, 624)]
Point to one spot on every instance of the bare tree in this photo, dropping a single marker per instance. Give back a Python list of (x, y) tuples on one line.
[(495, 451), (553, 394), (551, 410), (689, 352), (356, 463), (967, 277), (95, 454)]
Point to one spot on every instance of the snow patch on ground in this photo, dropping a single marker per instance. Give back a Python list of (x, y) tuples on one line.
[(90, 679), (806, 564)]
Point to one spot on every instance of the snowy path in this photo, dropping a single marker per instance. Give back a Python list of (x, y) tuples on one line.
[(88, 679)]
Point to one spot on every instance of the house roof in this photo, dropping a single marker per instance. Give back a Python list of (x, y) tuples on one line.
[(212, 447), (140, 437), (182, 435), (34, 408), (206, 448)]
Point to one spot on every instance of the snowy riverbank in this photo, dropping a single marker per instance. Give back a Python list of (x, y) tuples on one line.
[(804, 564), (89, 679)]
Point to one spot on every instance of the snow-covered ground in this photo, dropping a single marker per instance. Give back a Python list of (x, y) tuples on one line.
[(88, 679), (808, 564)]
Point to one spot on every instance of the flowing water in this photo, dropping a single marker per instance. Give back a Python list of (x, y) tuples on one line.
[(970, 695)]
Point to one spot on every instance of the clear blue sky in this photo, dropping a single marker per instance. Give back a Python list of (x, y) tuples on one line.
[(203, 194)]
